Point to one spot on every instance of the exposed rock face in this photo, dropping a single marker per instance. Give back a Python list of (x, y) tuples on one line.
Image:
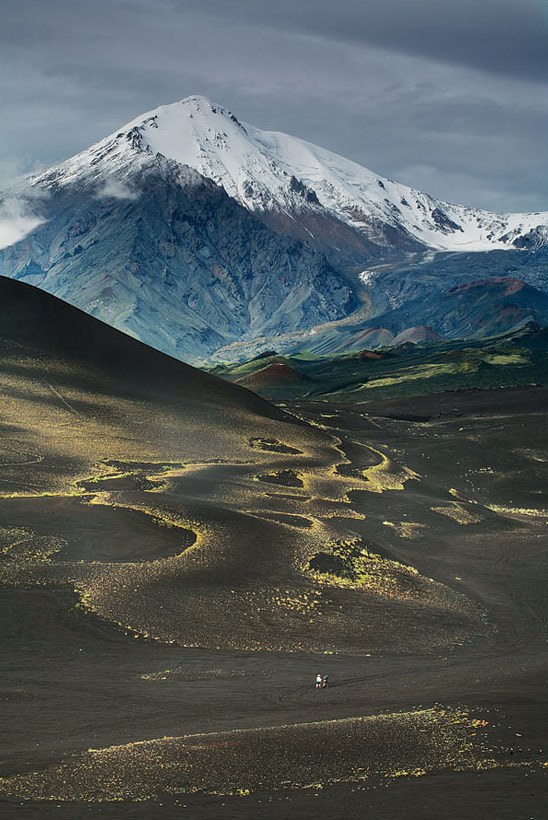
[(183, 267), (470, 310), (204, 236)]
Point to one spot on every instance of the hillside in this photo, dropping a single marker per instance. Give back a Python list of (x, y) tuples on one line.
[(212, 240), (426, 367), (107, 436), (179, 559)]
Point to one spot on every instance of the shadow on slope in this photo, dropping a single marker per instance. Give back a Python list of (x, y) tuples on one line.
[(102, 432)]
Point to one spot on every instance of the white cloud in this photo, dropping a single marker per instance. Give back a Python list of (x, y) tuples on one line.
[(15, 221), (18, 216), (114, 189)]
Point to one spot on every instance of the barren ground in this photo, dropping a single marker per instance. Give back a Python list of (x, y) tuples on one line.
[(179, 560)]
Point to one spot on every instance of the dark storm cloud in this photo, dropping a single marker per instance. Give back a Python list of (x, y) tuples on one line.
[(440, 94), (501, 36)]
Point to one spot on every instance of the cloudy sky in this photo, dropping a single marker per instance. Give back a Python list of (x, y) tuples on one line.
[(444, 95)]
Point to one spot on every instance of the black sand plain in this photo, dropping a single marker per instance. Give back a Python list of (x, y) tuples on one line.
[(179, 558)]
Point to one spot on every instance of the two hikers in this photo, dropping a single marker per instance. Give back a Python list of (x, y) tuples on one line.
[(321, 681)]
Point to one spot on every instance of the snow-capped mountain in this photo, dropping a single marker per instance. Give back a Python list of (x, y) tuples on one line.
[(198, 233), (271, 173)]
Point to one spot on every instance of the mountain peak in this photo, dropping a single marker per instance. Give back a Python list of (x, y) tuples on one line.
[(198, 101), (202, 104), (196, 106), (295, 186)]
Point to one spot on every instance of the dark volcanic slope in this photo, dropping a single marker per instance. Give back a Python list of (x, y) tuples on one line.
[(34, 321), (277, 377), (160, 527), (110, 426)]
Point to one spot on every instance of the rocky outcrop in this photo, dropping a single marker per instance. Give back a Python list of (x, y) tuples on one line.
[(183, 267)]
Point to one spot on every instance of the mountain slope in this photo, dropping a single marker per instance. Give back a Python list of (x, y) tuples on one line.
[(425, 367), (183, 267), (470, 310), (195, 232), (280, 176), (37, 329), (155, 495)]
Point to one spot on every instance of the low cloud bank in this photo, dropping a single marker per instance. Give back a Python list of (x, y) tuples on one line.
[(114, 189), (18, 217)]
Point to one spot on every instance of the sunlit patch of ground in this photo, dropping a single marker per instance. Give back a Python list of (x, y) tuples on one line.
[(207, 549), (406, 529), (272, 445), (191, 674), (518, 512), (218, 568), (425, 371), (386, 476), (356, 749), (350, 564), (506, 358), (457, 494), (533, 455), (289, 519), (380, 475), (459, 513), (32, 549)]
